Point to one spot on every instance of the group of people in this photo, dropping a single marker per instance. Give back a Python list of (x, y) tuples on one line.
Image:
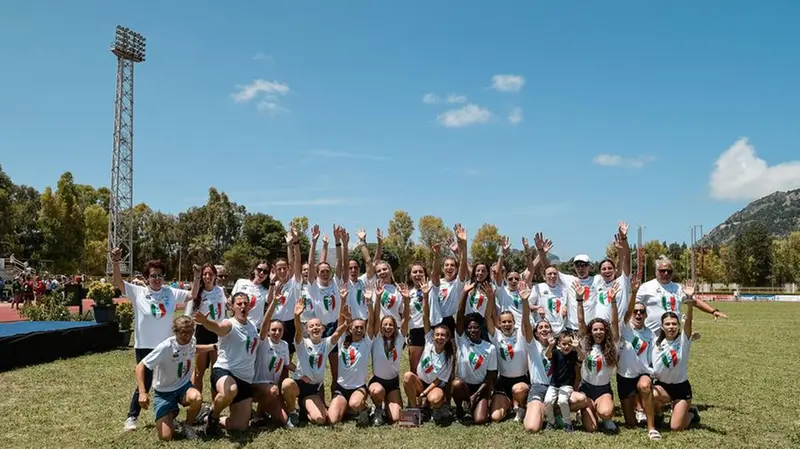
[(487, 340)]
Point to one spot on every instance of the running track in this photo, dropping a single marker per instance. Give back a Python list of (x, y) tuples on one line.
[(7, 315)]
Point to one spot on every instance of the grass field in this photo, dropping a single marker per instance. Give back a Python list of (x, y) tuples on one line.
[(741, 372)]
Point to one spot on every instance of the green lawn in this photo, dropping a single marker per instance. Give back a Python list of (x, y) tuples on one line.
[(741, 373)]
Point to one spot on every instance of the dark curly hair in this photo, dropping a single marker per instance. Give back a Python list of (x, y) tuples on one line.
[(608, 347)]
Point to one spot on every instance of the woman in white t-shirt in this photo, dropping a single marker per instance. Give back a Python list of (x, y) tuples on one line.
[(210, 300), (153, 308), (426, 387), (390, 299), (417, 275), (289, 274), (232, 373), (670, 365), (552, 296), (598, 347), (309, 377), (455, 271), (355, 348), (513, 382), (477, 361), (256, 289), (387, 349), (171, 363)]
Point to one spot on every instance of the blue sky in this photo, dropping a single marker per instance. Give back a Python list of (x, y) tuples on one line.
[(601, 111)]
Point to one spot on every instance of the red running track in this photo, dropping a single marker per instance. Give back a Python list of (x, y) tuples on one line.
[(9, 315)]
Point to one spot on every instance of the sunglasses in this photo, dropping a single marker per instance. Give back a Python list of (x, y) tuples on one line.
[(581, 265), (262, 270), (156, 276), (185, 332), (640, 311), (665, 271), (513, 279)]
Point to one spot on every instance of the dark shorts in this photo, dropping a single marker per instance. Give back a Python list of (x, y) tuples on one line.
[(537, 392), (595, 391), (626, 386), (473, 388), (450, 322), (389, 385), (416, 337), (167, 402), (442, 385), (307, 389), (677, 392), (205, 336), (288, 335), (504, 385), (244, 389), (338, 390)]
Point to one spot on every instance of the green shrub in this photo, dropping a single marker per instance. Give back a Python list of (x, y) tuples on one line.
[(49, 307), (125, 315), (102, 293)]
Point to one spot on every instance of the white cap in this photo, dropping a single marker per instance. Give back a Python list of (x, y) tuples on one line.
[(581, 258)]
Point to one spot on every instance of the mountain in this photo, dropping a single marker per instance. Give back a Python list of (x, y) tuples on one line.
[(779, 212)]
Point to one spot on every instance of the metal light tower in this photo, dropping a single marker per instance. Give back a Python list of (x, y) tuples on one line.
[(129, 48), (695, 239)]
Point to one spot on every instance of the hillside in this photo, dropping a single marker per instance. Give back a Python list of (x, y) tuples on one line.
[(779, 212)]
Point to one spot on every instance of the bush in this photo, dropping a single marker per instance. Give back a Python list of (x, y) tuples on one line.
[(125, 315), (50, 307), (102, 293)]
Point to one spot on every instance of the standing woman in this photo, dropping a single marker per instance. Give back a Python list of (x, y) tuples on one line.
[(452, 284), (427, 386), (553, 297), (511, 389), (387, 349), (417, 276), (670, 365), (598, 346), (390, 299), (153, 309), (210, 301), (290, 278), (356, 282), (507, 294), (256, 290), (477, 361)]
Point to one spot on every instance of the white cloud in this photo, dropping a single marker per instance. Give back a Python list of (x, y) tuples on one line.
[(508, 83), (739, 174), (455, 98), (465, 116), (515, 117), (345, 155), (430, 98), (615, 160), (263, 57), (247, 92), (271, 107)]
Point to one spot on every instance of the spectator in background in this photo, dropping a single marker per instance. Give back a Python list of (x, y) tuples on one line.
[(222, 277), (16, 290)]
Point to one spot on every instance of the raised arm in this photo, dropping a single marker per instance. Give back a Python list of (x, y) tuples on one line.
[(296, 261), (688, 290), (426, 307), (116, 255), (373, 312), (461, 238), (490, 311), (579, 295), (299, 306), (312, 263), (369, 266), (530, 264), (543, 247), (501, 261), (278, 287), (341, 262), (344, 321), (196, 280), (378, 249), (621, 242), (462, 307), (406, 310), (436, 272), (527, 329), (324, 255), (612, 298)]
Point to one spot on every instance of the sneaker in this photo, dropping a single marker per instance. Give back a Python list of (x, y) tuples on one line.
[(466, 415), (294, 420), (436, 415), (212, 427), (519, 414), (130, 424), (549, 426), (695, 416), (640, 417), (363, 418), (190, 433), (569, 428), (559, 421), (177, 427), (379, 419), (609, 426), (205, 412)]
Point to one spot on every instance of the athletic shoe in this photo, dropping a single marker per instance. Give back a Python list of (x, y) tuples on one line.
[(294, 420), (466, 415), (177, 427), (519, 414), (130, 424), (379, 418), (640, 417), (695, 416), (559, 421), (363, 418), (205, 412), (189, 433), (609, 426), (212, 427), (436, 415), (569, 428)]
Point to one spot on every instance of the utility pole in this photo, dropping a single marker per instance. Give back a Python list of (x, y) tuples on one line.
[(693, 248)]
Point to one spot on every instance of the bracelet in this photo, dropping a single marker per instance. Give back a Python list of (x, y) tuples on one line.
[(296, 242), (338, 244), (715, 310)]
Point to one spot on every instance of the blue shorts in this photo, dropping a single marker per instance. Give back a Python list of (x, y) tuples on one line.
[(166, 403)]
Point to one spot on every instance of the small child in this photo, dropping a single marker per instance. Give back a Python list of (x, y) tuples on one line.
[(563, 360)]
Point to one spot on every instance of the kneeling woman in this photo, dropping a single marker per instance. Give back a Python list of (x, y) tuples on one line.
[(232, 373), (387, 347), (350, 390), (426, 387), (311, 361), (670, 366), (477, 361), (171, 362)]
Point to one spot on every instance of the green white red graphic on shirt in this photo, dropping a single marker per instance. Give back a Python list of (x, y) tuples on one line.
[(554, 305), (214, 311), (476, 300), (427, 365), (158, 310), (276, 363), (475, 360), (548, 367), (594, 362), (184, 368), (349, 356), (253, 301), (359, 296), (670, 358), (250, 344), (329, 301), (639, 345), (315, 361), (388, 300), (602, 298), (670, 305), (391, 354), (507, 352), (516, 299)]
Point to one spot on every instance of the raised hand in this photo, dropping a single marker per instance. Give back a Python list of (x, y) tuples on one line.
[(345, 236), (425, 286), (526, 245), (436, 247), (378, 291), (469, 286), (362, 235), (579, 289), (506, 245), (196, 270), (343, 291), (612, 293), (315, 233), (348, 315), (116, 255), (299, 306), (538, 242), (688, 290), (550, 340), (379, 235), (461, 233), (199, 317), (288, 237), (403, 290), (623, 229), (325, 240), (272, 274), (452, 245), (619, 241)]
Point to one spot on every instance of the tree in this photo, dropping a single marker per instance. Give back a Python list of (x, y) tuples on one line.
[(515, 260), (431, 230), (710, 266), (301, 224), (62, 225), (387, 255), (786, 259), (398, 238), (486, 244), (751, 262), (652, 251)]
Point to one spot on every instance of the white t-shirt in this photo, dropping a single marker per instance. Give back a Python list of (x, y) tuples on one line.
[(354, 362), (327, 301), (391, 302), (287, 299), (539, 367), (308, 309), (476, 302), (508, 300), (659, 299), (602, 307), (475, 359), (258, 298), (449, 296), (416, 306), (355, 296), (386, 364), (572, 303), (671, 360), (171, 363), (595, 369), (554, 300), (212, 304), (237, 350), (271, 358), (433, 365), (153, 311), (312, 359), (635, 350), (512, 360)]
